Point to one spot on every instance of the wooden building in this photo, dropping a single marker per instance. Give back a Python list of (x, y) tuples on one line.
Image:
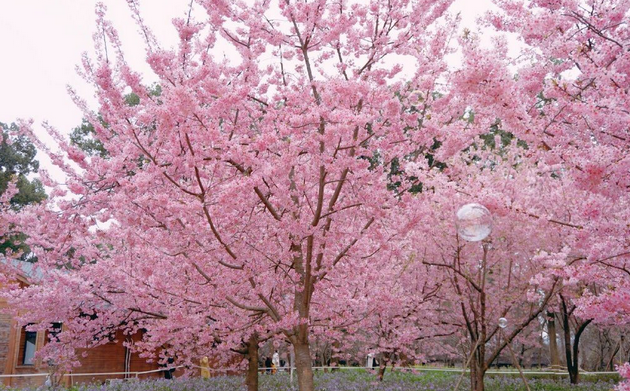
[(18, 347)]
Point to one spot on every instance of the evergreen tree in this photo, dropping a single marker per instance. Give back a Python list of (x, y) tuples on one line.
[(17, 162)]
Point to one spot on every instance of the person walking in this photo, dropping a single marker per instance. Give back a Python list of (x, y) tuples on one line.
[(275, 362), (205, 368)]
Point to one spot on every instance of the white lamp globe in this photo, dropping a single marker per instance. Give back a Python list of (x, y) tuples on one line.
[(474, 222)]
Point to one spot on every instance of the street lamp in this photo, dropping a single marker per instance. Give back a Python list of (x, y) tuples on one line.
[(474, 224)]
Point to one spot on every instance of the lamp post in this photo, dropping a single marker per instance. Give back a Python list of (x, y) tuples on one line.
[(474, 224)]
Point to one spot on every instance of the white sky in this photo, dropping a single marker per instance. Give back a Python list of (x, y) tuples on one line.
[(41, 42)]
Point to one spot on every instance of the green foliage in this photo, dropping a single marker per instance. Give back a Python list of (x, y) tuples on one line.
[(498, 141), (84, 136), (17, 162), (401, 181), (506, 138), (132, 99)]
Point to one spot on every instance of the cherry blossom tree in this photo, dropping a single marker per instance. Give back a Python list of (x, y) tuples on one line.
[(394, 317), (511, 273), (255, 194), (624, 370), (244, 187), (575, 60)]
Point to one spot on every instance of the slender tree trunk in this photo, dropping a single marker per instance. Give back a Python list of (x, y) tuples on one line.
[(478, 365), (576, 350), (572, 351), (303, 365), (479, 386), (571, 363), (477, 373), (334, 358), (382, 366), (572, 367), (381, 371), (610, 366), (251, 379), (554, 355), (480, 354)]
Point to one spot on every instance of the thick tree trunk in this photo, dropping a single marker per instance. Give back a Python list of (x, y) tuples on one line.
[(251, 379), (303, 366), (554, 355)]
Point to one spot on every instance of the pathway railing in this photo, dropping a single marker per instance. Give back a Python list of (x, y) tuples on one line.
[(136, 375)]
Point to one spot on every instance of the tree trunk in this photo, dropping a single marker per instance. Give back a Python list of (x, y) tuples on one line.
[(576, 351), (554, 355), (334, 358), (479, 386), (611, 363), (303, 366), (251, 379), (478, 367), (381, 371), (572, 350), (574, 372), (382, 365), (477, 373), (301, 305), (572, 366)]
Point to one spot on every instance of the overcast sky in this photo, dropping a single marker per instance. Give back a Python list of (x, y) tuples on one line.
[(41, 42)]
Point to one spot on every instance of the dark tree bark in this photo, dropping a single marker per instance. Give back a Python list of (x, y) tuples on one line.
[(251, 379), (249, 349), (572, 348)]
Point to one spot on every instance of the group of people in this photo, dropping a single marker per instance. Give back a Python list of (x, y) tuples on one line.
[(271, 364)]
